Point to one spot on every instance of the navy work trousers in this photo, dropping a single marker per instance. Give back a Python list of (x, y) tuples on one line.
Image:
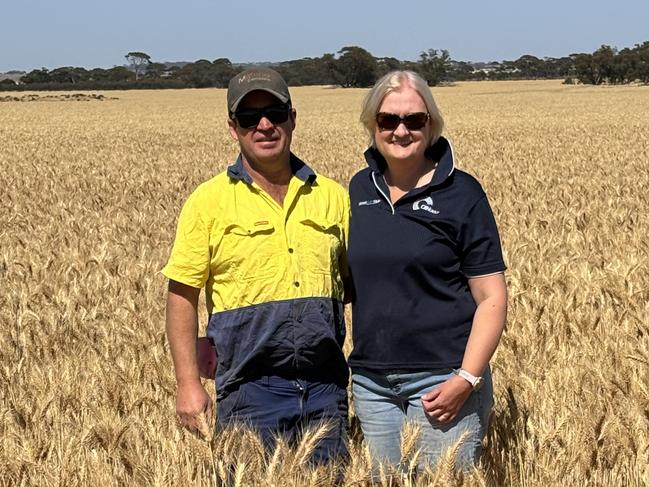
[(274, 405)]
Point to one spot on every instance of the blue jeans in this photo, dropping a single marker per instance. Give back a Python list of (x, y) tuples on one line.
[(384, 402), (274, 405)]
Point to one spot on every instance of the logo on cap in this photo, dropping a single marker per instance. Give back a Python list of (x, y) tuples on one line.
[(254, 76)]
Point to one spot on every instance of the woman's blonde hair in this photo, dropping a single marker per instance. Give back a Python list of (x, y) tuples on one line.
[(393, 81)]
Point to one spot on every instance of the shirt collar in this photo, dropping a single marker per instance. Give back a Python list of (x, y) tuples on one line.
[(441, 152), (299, 169)]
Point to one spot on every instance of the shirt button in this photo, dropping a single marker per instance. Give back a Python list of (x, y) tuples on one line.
[(297, 284), (290, 250)]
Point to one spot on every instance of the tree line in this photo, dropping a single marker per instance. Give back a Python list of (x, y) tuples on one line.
[(352, 66)]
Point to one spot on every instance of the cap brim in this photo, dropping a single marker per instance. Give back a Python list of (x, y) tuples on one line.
[(277, 95)]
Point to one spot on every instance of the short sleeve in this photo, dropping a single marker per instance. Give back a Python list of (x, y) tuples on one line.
[(481, 252), (344, 265), (190, 257)]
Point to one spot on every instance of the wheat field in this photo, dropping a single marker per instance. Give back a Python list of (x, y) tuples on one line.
[(90, 195)]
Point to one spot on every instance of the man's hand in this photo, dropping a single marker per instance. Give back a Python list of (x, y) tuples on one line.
[(444, 402), (191, 402)]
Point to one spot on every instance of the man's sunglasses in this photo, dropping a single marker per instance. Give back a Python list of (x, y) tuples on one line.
[(412, 121), (250, 117)]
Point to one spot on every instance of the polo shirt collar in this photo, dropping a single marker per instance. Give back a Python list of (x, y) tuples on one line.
[(299, 169), (441, 152)]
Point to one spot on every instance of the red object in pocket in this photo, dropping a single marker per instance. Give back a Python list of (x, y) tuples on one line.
[(206, 357)]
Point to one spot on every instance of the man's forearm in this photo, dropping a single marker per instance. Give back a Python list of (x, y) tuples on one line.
[(182, 330)]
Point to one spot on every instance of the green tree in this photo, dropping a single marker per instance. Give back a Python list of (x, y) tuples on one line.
[(461, 71), (530, 67), (640, 69), (199, 74), (155, 70), (69, 74), (36, 76), (309, 71), (623, 67), (603, 63), (120, 74), (562, 67), (386, 64), (138, 62), (585, 69), (97, 74), (328, 65), (355, 68), (434, 65), (222, 72)]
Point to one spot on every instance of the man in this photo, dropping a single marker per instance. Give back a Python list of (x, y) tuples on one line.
[(267, 240)]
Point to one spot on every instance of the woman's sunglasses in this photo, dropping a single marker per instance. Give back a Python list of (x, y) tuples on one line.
[(412, 121), (250, 117)]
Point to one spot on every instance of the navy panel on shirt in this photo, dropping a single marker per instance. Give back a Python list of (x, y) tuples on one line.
[(412, 305)]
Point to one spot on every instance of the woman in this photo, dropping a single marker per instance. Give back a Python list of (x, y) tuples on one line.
[(430, 296)]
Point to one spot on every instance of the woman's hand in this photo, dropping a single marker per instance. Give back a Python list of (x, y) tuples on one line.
[(444, 402)]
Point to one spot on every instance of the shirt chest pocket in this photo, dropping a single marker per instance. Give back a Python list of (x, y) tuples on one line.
[(249, 250), (320, 245)]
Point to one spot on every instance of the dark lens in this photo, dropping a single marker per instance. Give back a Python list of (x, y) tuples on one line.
[(387, 121), (390, 121), (249, 118), (415, 121), (277, 114)]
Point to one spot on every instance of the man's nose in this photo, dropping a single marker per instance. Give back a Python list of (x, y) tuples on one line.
[(264, 124)]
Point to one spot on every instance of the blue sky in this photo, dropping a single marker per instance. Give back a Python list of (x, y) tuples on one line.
[(40, 33)]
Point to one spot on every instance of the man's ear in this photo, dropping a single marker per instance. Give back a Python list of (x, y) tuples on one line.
[(232, 126), (293, 116)]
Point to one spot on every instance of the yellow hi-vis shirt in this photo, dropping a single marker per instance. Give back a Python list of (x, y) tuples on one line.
[(273, 274), (245, 249)]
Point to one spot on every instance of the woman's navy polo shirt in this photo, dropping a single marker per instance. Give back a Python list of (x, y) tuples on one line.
[(410, 263)]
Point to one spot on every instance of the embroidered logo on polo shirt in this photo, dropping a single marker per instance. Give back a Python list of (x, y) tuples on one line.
[(426, 204), (368, 202)]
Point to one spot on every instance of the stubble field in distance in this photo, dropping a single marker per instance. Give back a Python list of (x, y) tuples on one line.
[(90, 196)]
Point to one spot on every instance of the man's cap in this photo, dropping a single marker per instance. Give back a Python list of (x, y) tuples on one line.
[(253, 79)]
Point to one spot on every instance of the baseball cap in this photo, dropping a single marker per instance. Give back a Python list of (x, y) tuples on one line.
[(253, 79)]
